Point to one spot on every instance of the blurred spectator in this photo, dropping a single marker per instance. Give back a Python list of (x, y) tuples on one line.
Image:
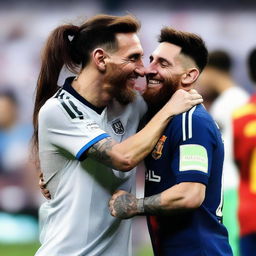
[(217, 79), (244, 125), (17, 192)]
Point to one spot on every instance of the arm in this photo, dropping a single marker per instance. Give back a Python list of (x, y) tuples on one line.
[(126, 155), (181, 197)]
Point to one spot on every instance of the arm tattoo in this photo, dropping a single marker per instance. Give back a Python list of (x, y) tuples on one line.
[(100, 151), (152, 204), (125, 206)]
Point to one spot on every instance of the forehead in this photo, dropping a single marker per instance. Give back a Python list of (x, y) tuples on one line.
[(128, 43), (167, 51)]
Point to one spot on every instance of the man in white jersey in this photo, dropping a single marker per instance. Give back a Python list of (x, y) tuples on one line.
[(79, 129)]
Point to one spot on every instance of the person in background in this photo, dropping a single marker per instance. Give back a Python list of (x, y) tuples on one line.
[(217, 80), (244, 126), (19, 195), (15, 168), (183, 199)]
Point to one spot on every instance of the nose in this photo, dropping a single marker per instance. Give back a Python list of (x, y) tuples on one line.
[(140, 69), (150, 70)]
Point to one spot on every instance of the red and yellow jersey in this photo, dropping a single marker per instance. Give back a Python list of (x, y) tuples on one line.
[(244, 124)]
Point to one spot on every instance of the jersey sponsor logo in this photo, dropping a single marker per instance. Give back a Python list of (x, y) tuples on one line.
[(117, 127), (193, 157), (151, 176), (157, 152)]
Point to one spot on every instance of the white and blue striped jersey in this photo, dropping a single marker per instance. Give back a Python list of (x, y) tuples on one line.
[(190, 150), (76, 221)]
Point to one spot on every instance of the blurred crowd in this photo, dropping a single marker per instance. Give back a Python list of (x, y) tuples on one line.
[(225, 86)]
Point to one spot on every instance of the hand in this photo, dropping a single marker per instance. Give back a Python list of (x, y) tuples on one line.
[(42, 186), (123, 205), (182, 100)]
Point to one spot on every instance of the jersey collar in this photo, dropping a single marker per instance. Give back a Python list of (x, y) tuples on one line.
[(68, 87)]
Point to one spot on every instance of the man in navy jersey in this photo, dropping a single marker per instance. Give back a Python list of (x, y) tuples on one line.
[(183, 195)]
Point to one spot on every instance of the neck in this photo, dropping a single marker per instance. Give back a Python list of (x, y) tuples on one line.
[(90, 85), (153, 109)]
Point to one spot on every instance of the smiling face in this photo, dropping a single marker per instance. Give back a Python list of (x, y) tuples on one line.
[(124, 66), (164, 73)]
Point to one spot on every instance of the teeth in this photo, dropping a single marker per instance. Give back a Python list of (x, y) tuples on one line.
[(153, 81)]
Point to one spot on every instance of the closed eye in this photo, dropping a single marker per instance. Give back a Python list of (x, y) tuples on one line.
[(135, 57)]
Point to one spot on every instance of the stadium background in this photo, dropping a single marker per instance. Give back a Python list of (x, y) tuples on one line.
[(24, 26)]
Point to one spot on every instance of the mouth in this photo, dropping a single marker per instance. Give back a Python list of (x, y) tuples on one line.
[(151, 83), (132, 79)]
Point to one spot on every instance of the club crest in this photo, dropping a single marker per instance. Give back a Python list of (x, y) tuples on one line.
[(118, 127), (157, 152)]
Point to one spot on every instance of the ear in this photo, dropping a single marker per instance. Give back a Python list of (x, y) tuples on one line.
[(188, 78), (99, 56)]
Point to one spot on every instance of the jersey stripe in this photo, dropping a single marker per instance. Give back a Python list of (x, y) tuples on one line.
[(80, 155), (58, 93), (184, 126), (71, 114), (80, 114), (69, 105), (187, 124), (190, 113)]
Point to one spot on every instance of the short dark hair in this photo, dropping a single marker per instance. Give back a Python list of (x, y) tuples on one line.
[(252, 64), (220, 60), (191, 44)]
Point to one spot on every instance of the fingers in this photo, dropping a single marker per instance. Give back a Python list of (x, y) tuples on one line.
[(111, 206), (119, 193), (45, 192), (192, 91), (112, 200), (42, 185)]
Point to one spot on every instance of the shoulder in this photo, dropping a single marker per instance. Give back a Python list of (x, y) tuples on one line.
[(50, 108), (197, 113), (195, 120), (52, 114)]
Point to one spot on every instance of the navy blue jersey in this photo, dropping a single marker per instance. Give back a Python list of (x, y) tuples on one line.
[(190, 150)]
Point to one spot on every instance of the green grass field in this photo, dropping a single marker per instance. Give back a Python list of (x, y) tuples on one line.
[(30, 249), (18, 249)]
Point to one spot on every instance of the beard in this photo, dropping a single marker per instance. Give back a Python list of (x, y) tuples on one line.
[(157, 98), (117, 79)]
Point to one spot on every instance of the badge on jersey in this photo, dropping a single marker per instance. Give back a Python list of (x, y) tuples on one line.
[(157, 152), (193, 157), (117, 127)]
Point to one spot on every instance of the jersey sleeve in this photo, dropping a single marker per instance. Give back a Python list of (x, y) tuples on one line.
[(67, 134), (194, 150)]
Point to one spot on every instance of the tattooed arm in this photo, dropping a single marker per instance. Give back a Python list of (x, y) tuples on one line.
[(181, 197), (126, 155)]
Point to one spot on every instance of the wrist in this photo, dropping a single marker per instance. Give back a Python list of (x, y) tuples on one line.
[(140, 206)]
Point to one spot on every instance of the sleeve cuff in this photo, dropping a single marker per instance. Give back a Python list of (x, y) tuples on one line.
[(192, 176), (81, 155)]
